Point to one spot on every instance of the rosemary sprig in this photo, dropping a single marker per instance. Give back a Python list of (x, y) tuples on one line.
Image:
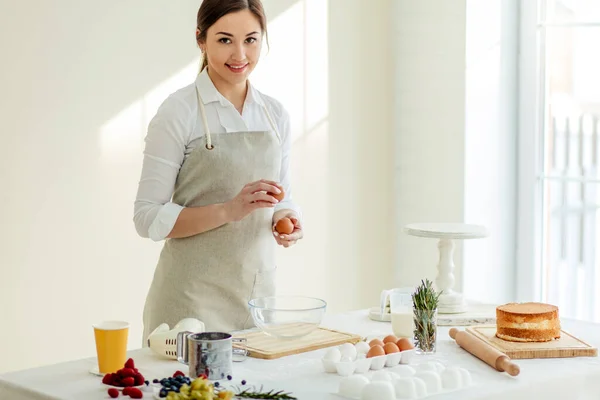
[(425, 303), (252, 393)]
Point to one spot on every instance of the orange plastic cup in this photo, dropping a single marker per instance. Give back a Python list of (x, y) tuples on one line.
[(111, 345)]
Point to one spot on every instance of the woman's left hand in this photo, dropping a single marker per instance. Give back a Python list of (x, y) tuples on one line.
[(289, 239)]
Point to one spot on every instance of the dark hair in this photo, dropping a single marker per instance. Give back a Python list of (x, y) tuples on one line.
[(212, 10)]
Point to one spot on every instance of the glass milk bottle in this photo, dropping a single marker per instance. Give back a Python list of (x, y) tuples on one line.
[(401, 310)]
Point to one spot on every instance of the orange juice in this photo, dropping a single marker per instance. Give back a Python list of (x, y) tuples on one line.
[(111, 345)]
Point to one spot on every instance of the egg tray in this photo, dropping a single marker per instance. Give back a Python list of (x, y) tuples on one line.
[(362, 364), (405, 382)]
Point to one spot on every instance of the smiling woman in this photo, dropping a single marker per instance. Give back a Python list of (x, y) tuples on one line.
[(215, 180), (229, 34)]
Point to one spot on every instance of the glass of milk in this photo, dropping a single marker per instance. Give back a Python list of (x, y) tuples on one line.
[(401, 310)]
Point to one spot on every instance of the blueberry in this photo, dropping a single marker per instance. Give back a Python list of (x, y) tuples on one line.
[(155, 381), (216, 384), (147, 382), (229, 377), (243, 381), (163, 393)]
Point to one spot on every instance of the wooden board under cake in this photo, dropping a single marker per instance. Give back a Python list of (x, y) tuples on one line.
[(567, 346)]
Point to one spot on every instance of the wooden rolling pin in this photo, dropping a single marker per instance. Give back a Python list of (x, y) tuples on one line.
[(484, 352)]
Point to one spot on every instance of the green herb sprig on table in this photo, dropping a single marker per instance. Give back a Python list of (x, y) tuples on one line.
[(253, 393), (425, 304)]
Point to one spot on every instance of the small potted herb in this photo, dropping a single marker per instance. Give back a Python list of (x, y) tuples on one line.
[(425, 304)]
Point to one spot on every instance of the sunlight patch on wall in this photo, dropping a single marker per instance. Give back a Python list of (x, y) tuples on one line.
[(122, 137)]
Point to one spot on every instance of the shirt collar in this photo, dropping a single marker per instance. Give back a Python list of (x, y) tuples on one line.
[(210, 94)]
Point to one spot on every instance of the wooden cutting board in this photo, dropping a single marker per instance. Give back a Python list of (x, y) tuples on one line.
[(567, 346), (261, 345)]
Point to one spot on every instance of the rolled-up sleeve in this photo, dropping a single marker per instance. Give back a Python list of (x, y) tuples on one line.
[(285, 174), (168, 133)]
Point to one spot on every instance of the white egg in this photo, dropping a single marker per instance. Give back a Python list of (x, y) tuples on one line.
[(378, 391), (352, 386), (333, 354), (362, 347), (348, 350), (346, 359)]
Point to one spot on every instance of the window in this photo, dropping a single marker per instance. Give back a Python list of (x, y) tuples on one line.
[(559, 154)]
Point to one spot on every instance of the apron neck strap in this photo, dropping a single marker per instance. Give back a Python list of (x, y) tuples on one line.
[(202, 112)]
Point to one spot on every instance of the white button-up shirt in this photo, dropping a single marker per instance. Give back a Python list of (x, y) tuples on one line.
[(170, 140)]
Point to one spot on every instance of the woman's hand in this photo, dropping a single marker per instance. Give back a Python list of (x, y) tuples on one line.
[(252, 197), (289, 239)]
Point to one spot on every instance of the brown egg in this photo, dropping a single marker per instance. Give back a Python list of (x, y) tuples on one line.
[(390, 339), (376, 342), (375, 351), (279, 196), (404, 344), (284, 226), (390, 348)]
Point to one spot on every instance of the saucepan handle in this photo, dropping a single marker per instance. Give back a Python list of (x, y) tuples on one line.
[(239, 349), (182, 347)]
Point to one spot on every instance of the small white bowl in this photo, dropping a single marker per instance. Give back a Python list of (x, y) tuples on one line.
[(378, 362), (407, 356), (393, 359)]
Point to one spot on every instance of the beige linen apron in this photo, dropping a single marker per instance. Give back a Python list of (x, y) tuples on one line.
[(212, 276)]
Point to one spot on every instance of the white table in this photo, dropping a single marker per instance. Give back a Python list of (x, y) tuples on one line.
[(569, 379)]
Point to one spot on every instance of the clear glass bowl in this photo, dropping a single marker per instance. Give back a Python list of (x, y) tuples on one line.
[(287, 317)]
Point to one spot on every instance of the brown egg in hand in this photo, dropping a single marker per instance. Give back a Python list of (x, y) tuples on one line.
[(278, 196), (391, 348), (404, 344), (390, 339), (376, 351), (284, 226), (376, 342)]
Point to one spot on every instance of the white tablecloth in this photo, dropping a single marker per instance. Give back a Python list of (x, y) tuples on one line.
[(302, 374)]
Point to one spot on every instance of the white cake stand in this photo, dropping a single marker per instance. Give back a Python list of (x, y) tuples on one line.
[(451, 301)]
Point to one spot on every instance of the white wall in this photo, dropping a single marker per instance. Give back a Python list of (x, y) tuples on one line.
[(429, 125)]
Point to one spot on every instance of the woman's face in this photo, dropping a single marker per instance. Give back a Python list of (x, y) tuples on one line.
[(233, 46)]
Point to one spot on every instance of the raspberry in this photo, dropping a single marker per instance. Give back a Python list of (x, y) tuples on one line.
[(203, 376), (178, 373), (139, 379), (130, 364), (135, 393), (107, 380), (129, 381), (126, 391), (127, 372), (113, 393)]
